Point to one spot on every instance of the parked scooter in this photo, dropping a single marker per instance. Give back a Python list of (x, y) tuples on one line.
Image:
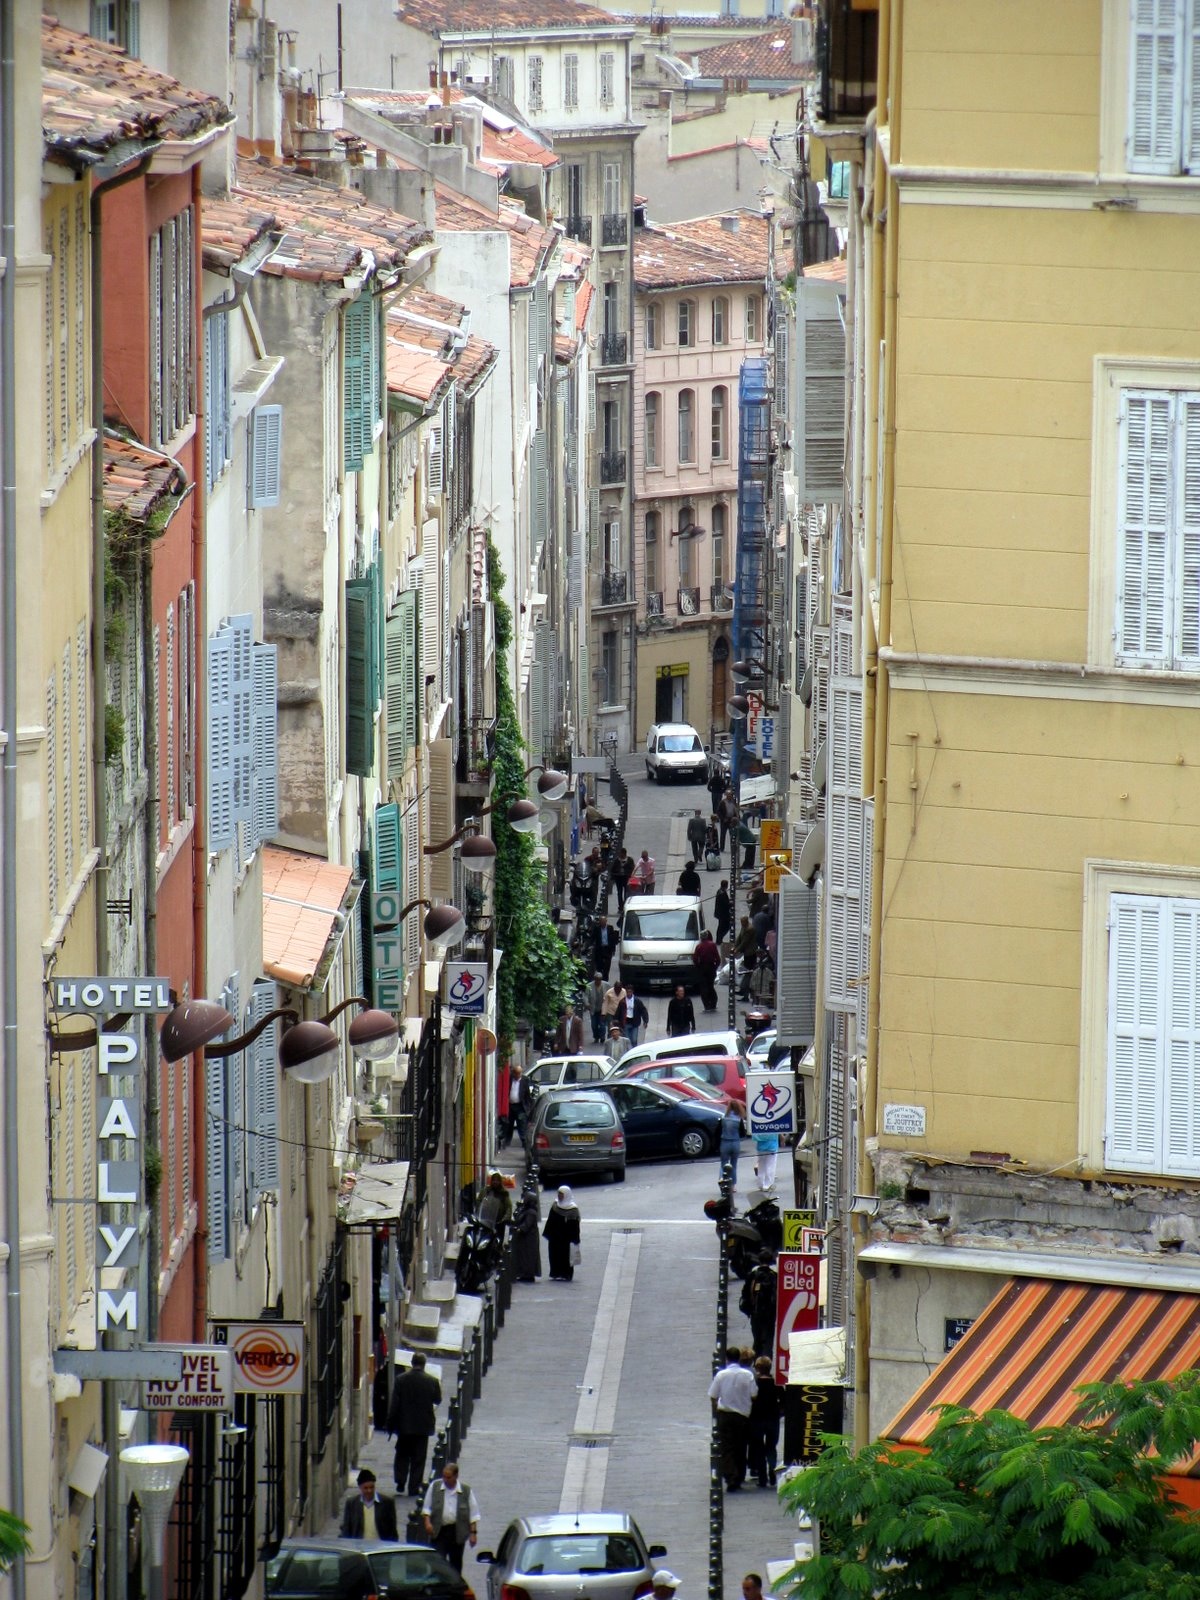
[(478, 1256), (751, 1238)]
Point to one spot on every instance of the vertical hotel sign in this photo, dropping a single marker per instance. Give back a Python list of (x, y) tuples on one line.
[(118, 1135)]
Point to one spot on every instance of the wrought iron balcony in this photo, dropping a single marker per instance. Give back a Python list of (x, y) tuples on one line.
[(721, 597), (613, 349), (689, 602), (476, 752), (616, 589), (614, 228), (654, 602), (612, 466), (579, 228)]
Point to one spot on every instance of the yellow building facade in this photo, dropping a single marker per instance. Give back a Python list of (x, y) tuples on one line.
[(1023, 501)]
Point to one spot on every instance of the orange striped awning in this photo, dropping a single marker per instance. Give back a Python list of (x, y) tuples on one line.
[(1039, 1340)]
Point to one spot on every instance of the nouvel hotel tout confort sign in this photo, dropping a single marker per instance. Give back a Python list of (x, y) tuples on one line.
[(118, 1134)]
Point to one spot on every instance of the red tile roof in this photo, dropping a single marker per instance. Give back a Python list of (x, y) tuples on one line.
[(764, 55), (95, 97), (137, 480), (481, 16), (476, 358), (704, 250), (422, 331), (504, 143), (228, 228), (530, 242), (302, 897)]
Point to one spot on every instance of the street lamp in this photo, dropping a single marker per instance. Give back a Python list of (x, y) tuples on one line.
[(155, 1472), (478, 852), (552, 785), (743, 671), (524, 816)]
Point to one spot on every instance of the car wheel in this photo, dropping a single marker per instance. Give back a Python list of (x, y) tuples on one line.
[(649, 773), (693, 1143), (618, 1174)]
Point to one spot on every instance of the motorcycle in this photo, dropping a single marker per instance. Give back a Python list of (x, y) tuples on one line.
[(478, 1256), (749, 1237)]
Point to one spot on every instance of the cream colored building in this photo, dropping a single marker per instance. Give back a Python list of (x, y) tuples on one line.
[(1024, 621)]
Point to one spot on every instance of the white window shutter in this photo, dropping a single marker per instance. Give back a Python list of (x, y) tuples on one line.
[(1156, 73), (796, 962), (263, 1097), (235, 1112), (1144, 528), (1181, 1110), (439, 818), (1191, 93), (220, 739), (1136, 953), (434, 461), (397, 691), (411, 632), (266, 443), (242, 689), (843, 866), (431, 615), (1187, 540), (819, 387), (412, 887), (864, 947), (265, 740)]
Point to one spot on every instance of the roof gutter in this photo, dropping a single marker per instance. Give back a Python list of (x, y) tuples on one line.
[(244, 273)]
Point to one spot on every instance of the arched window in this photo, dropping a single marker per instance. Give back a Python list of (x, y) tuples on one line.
[(653, 523), (720, 430), (720, 320), (687, 425), (653, 446), (687, 515), (687, 322), (718, 546)]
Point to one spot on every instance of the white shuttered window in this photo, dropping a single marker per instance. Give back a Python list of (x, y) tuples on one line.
[(1164, 87), (844, 825), (1158, 550)]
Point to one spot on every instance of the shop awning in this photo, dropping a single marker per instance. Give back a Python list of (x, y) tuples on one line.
[(373, 1194), (1039, 1340), (306, 901)]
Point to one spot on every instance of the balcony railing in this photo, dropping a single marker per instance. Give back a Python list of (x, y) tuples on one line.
[(688, 601), (654, 602), (613, 349), (579, 228), (476, 752), (616, 589), (614, 229), (612, 466), (721, 598)]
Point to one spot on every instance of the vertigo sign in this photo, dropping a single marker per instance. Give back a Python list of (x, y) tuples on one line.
[(268, 1357)]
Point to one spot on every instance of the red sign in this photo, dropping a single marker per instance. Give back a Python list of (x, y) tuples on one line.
[(795, 1303)]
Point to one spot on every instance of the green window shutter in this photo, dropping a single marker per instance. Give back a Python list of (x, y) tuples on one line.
[(356, 333), (360, 707), (388, 860), (378, 620), (371, 354), (406, 610), (399, 688)]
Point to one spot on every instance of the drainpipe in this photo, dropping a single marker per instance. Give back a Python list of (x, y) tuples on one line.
[(8, 829)]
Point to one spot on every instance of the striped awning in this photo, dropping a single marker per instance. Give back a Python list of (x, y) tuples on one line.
[(1039, 1340)]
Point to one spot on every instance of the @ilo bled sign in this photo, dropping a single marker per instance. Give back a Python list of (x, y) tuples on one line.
[(771, 1102), (466, 987)]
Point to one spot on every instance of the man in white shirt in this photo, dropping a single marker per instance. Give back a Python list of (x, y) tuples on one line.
[(732, 1392), (451, 1514)]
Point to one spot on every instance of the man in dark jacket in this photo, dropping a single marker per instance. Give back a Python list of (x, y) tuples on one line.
[(681, 1018), (568, 1036), (696, 832), (706, 959), (416, 1394), (606, 946), (367, 1514), (723, 911)]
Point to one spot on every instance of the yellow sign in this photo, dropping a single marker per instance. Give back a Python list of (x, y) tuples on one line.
[(795, 1225), (774, 867), (676, 671), (770, 836)]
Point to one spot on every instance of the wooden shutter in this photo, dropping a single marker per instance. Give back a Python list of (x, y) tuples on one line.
[(796, 962), (220, 740), (820, 403), (539, 491), (1145, 521), (359, 708), (242, 690), (1191, 91), (236, 1118), (431, 616), (1136, 962), (355, 337), (389, 856), (265, 742), (1181, 1112), (435, 461), (157, 313), (439, 817), (266, 442), (1187, 539), (398, 690), (1157, 67), (263, 1094), (412, 887), (216, 1189), (843, 864), (413, 668)]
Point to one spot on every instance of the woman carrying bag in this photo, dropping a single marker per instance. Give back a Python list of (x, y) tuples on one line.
[(561, 1234)]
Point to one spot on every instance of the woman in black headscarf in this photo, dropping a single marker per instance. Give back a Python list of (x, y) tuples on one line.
[(561, 1234), (526, 1245)]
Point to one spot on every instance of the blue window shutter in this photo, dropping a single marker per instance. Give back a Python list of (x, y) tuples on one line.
[(235, 1113), (220, 739), (359, 704), (399, 688), (263, 1093), (388, 860), (266, 442), (355, 334), (407, 610), (265, 738), (242, 630)]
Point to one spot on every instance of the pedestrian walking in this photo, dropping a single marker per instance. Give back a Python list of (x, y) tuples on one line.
[(689, 880), (745, 950), (368, 1514), (727, 813), (622, 867), (615, 1002), (636, 1016), (712, 845), (605, 946), (641, 880), (568, 1036), (748, 840), (697, 831), (717, 784), (514, 1106), (731, 1139), (451, 1514), (706, 959), (681, 1015), (762, 1444), (732, 1392), (723, 911), (412, 1421), (616, 1044), (526, 1236), (759, 1300), (561, 1234), (495, 1206), (752, 1588), (594, 1001), (766, 1149)]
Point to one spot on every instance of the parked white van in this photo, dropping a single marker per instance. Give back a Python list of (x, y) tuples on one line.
[(658, 934), (675, 750)]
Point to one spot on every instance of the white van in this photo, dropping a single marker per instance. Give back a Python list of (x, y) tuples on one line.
[(675, 750), (658, 934), (722, 1043)]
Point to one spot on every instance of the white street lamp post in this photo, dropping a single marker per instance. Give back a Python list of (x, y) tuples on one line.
[(154, 1472)]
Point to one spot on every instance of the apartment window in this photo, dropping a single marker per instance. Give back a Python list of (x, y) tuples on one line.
[(504, 77), (653, 523), (687, 516), (687, 322), (720, 320), (216, 398), (534, 69), (653, 451), (611, 417), (718, 545), (117, 22), (607, 77), (654, 326), (570, 82), (611, 310), (1163, 131), (243, 783), (753, 318), (612, 545), (360, 381), (613, 206), (610, 661), (574, 182), (720, 429), (171, 265), (687, 425), (1158, 530)]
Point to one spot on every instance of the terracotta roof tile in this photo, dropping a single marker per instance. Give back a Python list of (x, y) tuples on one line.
[(504, 143), (583, 304), (828, 271), (302, 896), (229, 225), (476, 358), (94, 96), (470, 16), (529, 240), (423, 328), (137, 480), (704, 250), (414, 373), (688, 23), (763, 55), (327, 228)]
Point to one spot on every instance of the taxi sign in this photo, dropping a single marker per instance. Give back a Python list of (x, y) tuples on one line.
[(794, 1225)]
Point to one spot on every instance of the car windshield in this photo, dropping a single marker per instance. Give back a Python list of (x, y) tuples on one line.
[(682, 1074), (680, 743), (396, 1570), (579, 1114), (679, 924), (580, 1553)]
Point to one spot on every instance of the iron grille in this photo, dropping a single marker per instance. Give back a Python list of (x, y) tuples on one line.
[(191, 1521), (614, 229), (330, 1344), (580, 228), (613, 349), (654, 602), (612, 466), (615, 589)]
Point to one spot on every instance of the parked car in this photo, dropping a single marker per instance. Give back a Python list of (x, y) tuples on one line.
[(551, 1071), (356, 1569), (727, 1043), (598, 1554), (762, 1052), (658, 934), (575, 1130), (675, 750), (725, 1073), (662, 1122), (684, 1081)]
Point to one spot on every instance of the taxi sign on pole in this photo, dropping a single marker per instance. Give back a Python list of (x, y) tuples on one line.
[(775, 864), (794, 1224), (770, 836)]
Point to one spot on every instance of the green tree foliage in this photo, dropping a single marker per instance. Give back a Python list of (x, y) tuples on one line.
[(14, 1539), (994, 1508), (538, 974)]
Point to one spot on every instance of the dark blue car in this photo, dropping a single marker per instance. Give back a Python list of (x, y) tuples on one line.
[(660, 1121)]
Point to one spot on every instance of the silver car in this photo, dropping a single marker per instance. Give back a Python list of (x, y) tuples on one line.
[(575, 1130), (572, 1556)]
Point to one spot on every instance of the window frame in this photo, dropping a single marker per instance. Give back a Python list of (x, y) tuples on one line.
[(720, 319), (685, 324), (652, 326), (651, 546), (753, 318), (1181, 111), (535, 82), (608, 78), (689, 410), (570, 80), (717, 541), (652, 430), (718, 422)]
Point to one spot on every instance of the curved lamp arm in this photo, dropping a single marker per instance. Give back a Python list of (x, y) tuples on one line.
[(218, 1052)]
